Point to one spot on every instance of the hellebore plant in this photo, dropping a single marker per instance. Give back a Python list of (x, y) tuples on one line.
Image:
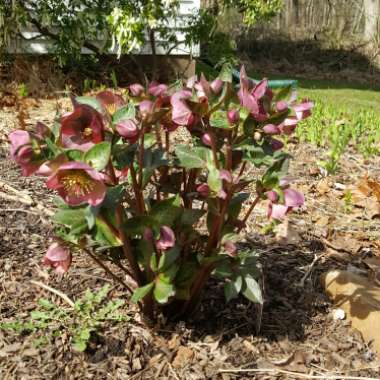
[(165, 211)]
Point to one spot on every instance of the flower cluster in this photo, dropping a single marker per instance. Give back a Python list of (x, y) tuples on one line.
[(172, 210)]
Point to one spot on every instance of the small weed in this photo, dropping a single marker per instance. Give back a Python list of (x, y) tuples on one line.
[(347, 199), (22, 90), (88, 316)]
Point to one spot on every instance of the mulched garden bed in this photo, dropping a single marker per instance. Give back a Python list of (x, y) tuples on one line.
[(293, 336)]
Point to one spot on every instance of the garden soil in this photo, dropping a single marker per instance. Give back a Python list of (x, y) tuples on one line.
[(295, 335)]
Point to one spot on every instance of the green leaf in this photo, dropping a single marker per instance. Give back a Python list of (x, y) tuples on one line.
[(98, 156), (141, 292), (114, 196), (73, 218), (104, 235), (236, 204), (232, 288), (123, 155), (226, 73), (163, 291), (92, 102), (168, 258), (90, 215), (124, 113), (166, 211), (189, 217), (74, 155), (252, 290), (192, 157), (283, 94), (218, 119), (213, 179)]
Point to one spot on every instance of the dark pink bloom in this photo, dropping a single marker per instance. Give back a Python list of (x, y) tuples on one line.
[(82, 128), (166, 240), (110, 101), (248, 101), (136, 89), (203, 190), (157, 89), (271, 129), (216, 86), (58, 257), (233, 117), (128, 129), (23, 153), (78, 183), (276, 144)]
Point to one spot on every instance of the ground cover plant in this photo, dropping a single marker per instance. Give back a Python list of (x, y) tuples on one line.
[(168, 215)]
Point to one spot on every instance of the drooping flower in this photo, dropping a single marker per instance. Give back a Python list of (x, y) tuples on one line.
[(157, 89), (292, 199), (110, 101), (78, 183), (128, 129), (25, 151), (136, 89), (207, 139), (82, 128), (166, 240), (58, 257), (303, 110), (181, 113), (271, 129), (146, 108)]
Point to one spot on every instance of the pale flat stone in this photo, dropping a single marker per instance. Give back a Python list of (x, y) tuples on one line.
[(360, 300)]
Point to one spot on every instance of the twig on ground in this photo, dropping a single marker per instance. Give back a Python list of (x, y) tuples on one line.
[(299, 375), (55, 291), (14, 198), (301, 282)]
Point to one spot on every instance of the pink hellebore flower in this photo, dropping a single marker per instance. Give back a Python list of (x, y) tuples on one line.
[(157, 89), (128, 129), (82, 128), (282, 106), (292, 198), (110, 101), (78, 183), (58, 257), (146, 108), (22, 152), (181, 113), (166, 240), (136, 89), (207, 139), (260, 89)]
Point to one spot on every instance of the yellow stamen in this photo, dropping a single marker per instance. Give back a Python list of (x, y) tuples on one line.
[(77, 182), (111, 108), (87, 132)]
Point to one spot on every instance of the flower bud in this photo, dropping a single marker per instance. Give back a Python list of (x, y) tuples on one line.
[(136, 89), (276, 144), (233, 117), (207, 139), (281, 106), (271, 129), (257, 136), (127, 129), (203, 190), (230, 248)]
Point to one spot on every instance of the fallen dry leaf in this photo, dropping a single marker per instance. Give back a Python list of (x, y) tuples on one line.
[(183, 357)]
